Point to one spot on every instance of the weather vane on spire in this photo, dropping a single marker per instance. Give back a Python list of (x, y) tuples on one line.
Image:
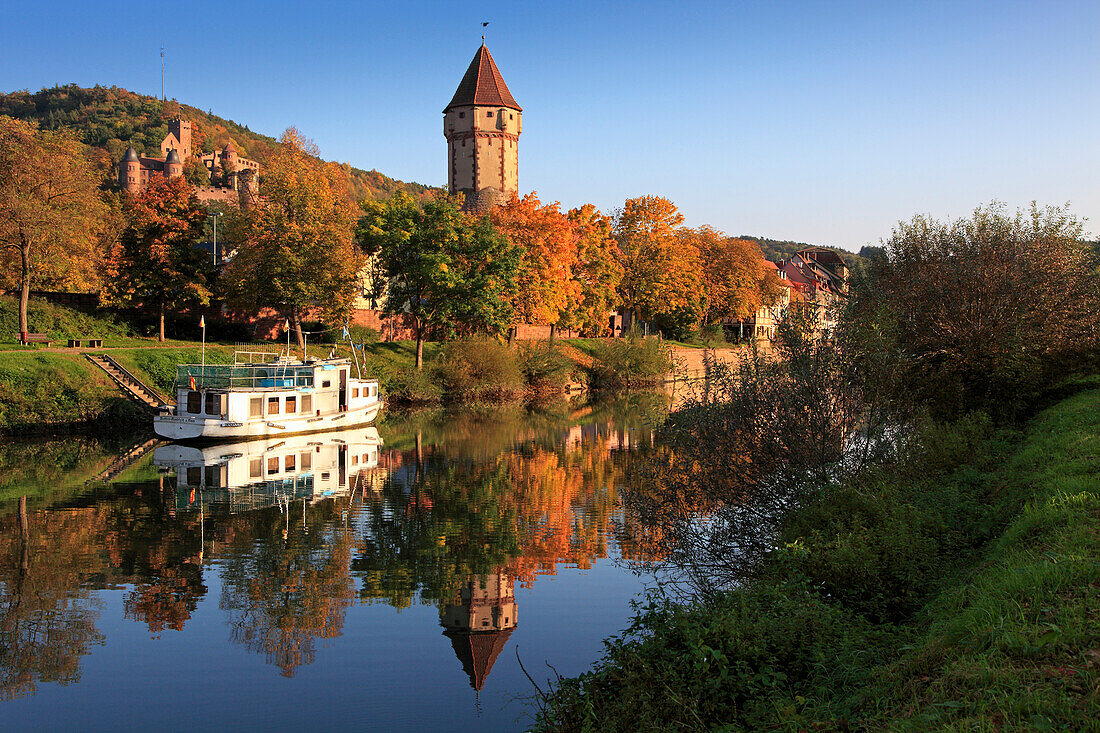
[(484, 25)]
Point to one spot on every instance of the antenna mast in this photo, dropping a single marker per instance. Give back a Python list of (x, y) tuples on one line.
[(162, 97)]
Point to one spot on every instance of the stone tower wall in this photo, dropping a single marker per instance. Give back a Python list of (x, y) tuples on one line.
[(483, 149)]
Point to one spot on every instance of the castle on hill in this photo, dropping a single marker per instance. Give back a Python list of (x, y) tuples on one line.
[(482, 125), (239, 176)]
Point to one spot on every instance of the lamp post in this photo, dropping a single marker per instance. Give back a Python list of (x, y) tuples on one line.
[(215, 216)]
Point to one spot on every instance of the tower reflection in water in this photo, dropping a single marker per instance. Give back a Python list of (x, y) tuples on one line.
[(479, 620)]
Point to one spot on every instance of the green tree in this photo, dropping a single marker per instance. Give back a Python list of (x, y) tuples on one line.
[(448, 273), (295, 245), (50, 211), (155, 264)]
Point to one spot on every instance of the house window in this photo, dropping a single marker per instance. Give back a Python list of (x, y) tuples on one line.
[(272, 405), (272, 466), (213, 404), (291, 405), (194, 402), (256, 468), (307, 404), (256, 407)]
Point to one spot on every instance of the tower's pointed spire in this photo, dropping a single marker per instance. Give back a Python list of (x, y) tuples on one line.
[(483, 84)]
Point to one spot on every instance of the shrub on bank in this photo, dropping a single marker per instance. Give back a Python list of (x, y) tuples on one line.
[(628, 362), (545, 368), (479, 369)]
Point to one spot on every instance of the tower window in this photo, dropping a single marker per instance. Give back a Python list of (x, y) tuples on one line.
[(509, 115), (489, 113), (461, 115)]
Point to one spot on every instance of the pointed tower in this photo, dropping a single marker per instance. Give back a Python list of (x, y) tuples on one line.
[(482, 125), (129, 171)]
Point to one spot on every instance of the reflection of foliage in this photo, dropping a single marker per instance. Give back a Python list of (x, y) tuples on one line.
[(283, 593), (47, 621)]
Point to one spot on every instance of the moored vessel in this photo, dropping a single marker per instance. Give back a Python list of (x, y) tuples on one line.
[(259, 398)]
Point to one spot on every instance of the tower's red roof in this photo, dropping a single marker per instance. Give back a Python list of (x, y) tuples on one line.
[(483, 85), (477, 650)]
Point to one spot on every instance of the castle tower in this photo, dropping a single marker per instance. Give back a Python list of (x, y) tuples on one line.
[(230, 165), (482, 125), (173, 166), (129, 171), (178, 139)]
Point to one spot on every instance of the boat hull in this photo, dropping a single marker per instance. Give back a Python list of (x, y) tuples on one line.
[(181, 428)]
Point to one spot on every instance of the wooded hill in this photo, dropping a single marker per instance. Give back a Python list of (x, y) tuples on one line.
[(776, 250), (111, 118)]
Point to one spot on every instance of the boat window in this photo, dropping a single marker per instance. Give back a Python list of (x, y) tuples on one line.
[(194, 475), (213, 403), (355, 460), (291, 405), (213, 476), (324, 475), (288, 462), (355, 392), (194, 402), (256, 468), (307, 403), (272, 405), (272, 466), (307, 461), (256, 407), (326, 383)]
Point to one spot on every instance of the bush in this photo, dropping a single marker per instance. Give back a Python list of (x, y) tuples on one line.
[(479, 369), (409, 386), (364, 335), (628, 362), (545, 368)]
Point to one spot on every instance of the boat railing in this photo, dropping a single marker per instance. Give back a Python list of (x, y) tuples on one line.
[(240, 376)]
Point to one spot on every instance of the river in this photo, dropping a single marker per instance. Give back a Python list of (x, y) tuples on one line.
[(391, 578)]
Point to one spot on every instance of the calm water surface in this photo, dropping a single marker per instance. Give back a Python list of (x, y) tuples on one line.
[(385, 578)]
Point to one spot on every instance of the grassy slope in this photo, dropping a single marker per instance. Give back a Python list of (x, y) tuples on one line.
[(961, 596), (1017, 643)]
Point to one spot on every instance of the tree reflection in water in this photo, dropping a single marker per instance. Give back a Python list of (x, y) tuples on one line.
[(47, 617)]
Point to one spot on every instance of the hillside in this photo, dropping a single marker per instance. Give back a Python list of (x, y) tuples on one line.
[(776, 249), (110, 118)]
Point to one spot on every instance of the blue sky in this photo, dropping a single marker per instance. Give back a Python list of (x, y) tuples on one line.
[(823, 122)]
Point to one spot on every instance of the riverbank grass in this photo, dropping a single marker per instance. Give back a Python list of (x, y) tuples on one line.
[(957, 589)]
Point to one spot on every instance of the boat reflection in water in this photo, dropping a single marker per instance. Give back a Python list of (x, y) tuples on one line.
[(254, 474)]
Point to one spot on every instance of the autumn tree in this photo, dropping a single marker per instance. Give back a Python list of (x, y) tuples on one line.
[(733, 273), (156, 264), (597, 271), (295, 245), (989, 309), (448, 272), (50, 211), (545, 287), (661, 275)]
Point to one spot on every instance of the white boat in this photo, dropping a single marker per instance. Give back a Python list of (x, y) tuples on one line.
[(260, 399), (258, 473)]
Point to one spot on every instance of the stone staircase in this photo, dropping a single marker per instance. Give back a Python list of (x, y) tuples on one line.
[(130, 385)]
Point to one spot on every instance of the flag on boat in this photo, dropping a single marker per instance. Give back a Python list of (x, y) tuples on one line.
[(202, 321), (192, 496), (193, 383)]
